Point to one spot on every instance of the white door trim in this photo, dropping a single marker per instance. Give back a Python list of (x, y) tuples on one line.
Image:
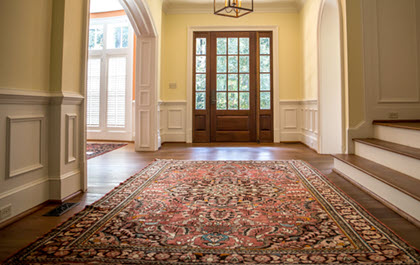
[(326, 134), (276, 91), (146, 106)]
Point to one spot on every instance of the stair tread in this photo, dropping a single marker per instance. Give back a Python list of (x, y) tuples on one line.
[(393, 147), (398, 180), (403, 124)]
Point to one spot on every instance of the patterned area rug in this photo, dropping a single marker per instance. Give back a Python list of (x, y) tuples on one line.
[(97, 149), (202, 212)]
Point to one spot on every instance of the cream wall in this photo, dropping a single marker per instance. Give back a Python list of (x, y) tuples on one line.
[(309, 23), (174, 49), (25, 27), (356, 105), (72, 45)]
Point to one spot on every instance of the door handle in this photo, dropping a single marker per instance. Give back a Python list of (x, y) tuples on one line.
[(213, 97)]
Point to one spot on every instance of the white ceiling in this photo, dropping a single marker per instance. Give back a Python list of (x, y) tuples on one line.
[(97, 6), (206, 6)]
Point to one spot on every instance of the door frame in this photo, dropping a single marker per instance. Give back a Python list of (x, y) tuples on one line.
[(190, 51)]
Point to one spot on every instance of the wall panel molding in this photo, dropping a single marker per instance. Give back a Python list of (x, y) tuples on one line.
[(71, 138), (299, 122), (173, 121), (24, 144)]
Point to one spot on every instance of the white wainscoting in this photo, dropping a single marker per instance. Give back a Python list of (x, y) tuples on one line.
[(40, 148), (173, 121), (299, 122)]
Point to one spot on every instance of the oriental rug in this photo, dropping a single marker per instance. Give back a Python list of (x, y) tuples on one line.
[(97, 149), (221, 212)]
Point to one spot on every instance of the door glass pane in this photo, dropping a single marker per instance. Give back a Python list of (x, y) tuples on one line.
[(200, 82), (200, 100), (265, 64), (244, 82), (93, 91), (244, 64), (244, 45), (221, 100), (233, 46), (221, 82), (221, 45), (233, 82), (244, 101), (265, 102), (233, 100), (233, 64), (116, 102), (200, 66), (264, 45), (221, 64), (265, 82), (201, 44)]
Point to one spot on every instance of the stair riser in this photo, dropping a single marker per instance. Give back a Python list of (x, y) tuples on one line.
[(397, 135), (405, 205), (401, 163)]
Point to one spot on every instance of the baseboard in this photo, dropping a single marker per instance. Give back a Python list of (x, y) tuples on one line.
[(173, 137), (380, 199), (108, 141), (23, 214)]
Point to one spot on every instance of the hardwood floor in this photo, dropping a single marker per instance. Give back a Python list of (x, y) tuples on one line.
[(107, 171)]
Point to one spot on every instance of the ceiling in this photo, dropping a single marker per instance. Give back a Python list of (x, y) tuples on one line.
[(206, 6)]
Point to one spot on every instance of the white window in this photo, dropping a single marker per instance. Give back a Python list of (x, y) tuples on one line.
[(109, 84)]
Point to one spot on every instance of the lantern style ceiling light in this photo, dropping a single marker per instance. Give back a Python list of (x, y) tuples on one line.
[(233, 8)]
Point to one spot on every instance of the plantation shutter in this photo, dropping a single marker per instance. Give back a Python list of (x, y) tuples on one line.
[(116, 98), (93, 92)]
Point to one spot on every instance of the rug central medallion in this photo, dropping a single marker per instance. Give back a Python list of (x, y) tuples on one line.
[(223, 212)]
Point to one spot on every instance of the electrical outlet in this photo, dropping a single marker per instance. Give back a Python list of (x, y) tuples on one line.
[(393, 115), (6, 212)]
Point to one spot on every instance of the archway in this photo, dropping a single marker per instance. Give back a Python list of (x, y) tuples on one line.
[(330, 91), (146, 74)]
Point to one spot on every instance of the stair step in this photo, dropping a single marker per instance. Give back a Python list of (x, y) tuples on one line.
[(392, 147), (400, 181), (403, 124), (396, 190)]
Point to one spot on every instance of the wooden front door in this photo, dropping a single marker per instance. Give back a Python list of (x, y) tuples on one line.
[(233, 97)]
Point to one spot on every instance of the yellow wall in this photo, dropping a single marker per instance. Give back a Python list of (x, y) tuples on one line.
[(355, 63), (309, 22), (25, 27), (174, 49), (73, 45)]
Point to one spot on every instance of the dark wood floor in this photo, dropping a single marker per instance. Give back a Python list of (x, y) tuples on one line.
[(107, 171)]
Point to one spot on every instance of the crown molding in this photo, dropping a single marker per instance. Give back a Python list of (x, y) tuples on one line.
[(286, 6)]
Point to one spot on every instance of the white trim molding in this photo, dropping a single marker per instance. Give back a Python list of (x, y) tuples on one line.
[(146, 75), (275, 31)]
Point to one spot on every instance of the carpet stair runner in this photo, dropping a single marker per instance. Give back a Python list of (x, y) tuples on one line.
[(388, 166)]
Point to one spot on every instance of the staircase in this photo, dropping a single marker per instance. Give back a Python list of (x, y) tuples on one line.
[(387, 166)]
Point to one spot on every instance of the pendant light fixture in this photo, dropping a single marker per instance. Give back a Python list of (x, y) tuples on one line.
[(233, 8)]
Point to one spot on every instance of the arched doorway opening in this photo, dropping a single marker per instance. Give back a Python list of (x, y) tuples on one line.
[(330, 91)]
